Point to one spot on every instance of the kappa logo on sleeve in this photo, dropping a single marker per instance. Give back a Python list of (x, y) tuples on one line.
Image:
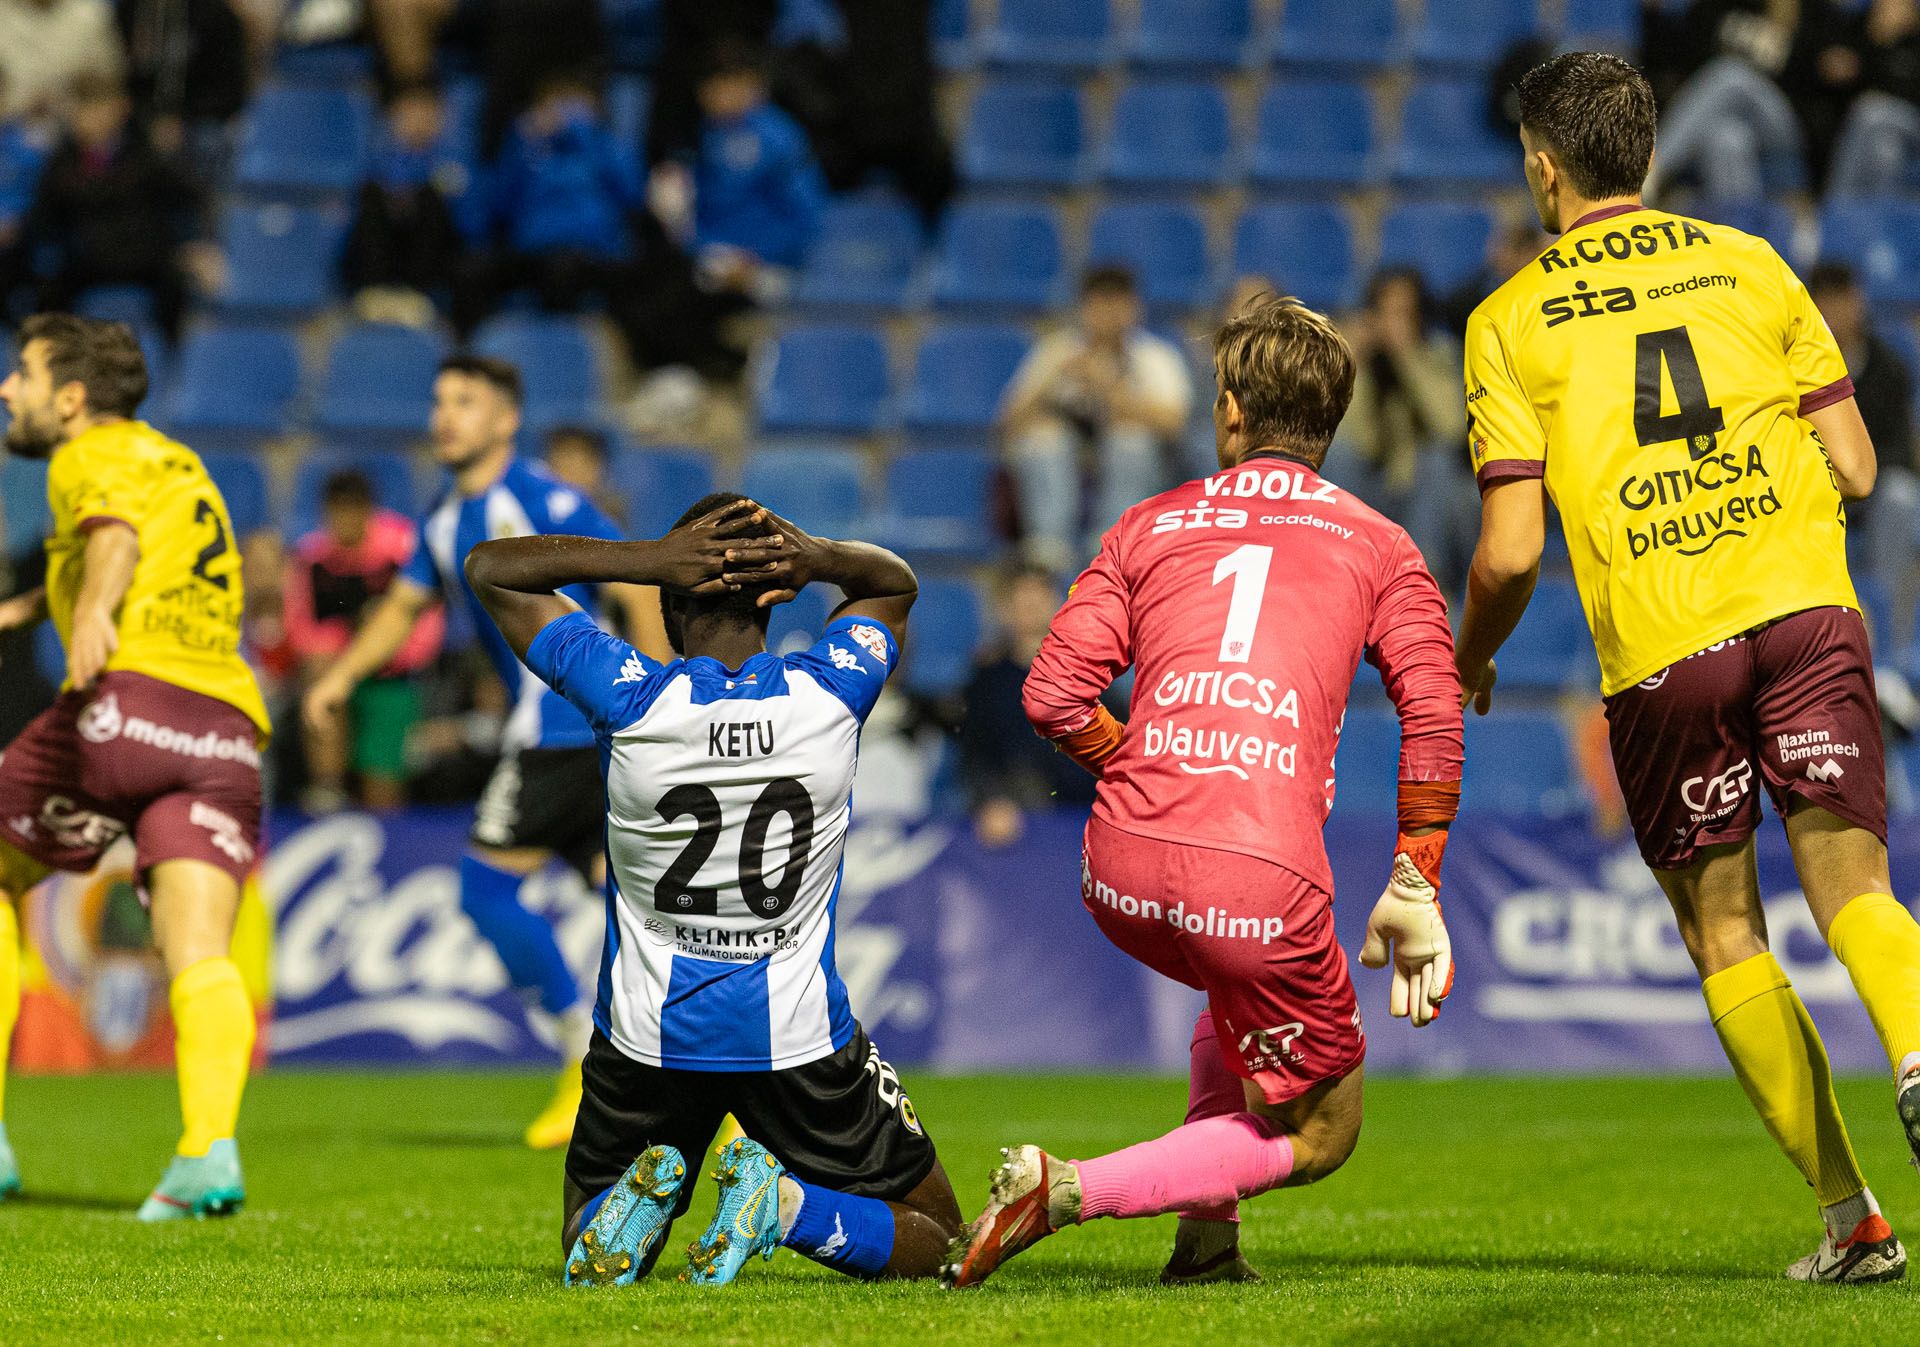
[(871, 639), (843, 658), (631, 671)]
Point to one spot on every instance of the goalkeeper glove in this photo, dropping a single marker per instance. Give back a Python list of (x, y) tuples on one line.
[(1407, 918)]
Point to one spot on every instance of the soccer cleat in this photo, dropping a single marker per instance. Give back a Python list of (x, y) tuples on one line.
[(554, 1127), (1031, 1195), (1907, 1100), (748, 1221), (9, 1168), (624, 1236), (1225, 1266), (1869, 1254), (197, 1186)]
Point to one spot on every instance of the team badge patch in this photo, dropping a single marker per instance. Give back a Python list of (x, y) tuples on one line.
[(872, 638)]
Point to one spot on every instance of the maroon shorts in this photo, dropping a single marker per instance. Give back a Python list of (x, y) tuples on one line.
[(1791, 703), (178, 770), (1255, 937)]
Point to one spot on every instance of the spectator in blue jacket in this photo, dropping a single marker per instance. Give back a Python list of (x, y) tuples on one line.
[(757, 189), (405, 242), (563, 211)]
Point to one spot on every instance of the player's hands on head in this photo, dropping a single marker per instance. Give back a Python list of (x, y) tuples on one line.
[(780, 571), (94, 641), (696, 556), (1406, 927), (1476, 689)]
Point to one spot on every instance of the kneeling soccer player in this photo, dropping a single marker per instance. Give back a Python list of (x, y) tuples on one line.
[(1244, 601), (729, 777), (158, 727)]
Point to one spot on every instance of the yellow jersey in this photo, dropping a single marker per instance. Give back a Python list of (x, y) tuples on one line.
[(180, 621), (1657, 371)]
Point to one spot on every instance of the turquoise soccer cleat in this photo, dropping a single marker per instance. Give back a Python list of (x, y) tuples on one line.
[(748, 1221), (620, 1243), (9, 1169), (197, 1186)]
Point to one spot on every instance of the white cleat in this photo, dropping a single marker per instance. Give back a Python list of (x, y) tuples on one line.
[(1869, 1254)]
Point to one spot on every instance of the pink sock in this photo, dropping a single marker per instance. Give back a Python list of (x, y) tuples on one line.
[(1212, 1092), (1203, 1164)]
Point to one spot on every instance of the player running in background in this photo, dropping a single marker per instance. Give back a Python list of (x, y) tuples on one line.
[(544, 799), (1244, 602), (1670, 384), (729, 774), (159, 725)]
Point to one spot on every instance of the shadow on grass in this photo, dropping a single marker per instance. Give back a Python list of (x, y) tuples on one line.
[(71, 1202), (478, 1141)]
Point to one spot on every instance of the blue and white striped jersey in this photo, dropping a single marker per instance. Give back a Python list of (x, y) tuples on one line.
[(728, 797), (526, 500)]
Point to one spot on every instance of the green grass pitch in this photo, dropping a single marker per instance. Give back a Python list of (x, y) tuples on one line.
[(400, 1209)]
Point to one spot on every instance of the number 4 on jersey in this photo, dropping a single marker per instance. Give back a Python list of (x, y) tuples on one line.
[(1694, 421)]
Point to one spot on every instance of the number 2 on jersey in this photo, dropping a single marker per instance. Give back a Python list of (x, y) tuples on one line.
[(1248, 566), (676, 893)]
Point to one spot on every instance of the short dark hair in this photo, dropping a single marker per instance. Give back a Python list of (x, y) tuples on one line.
[(502, 375), (1596, 114), (102, 357), (1829, 275), (742, 606), (594, 441), (1108, 278), (348, 486), (1290, 370)]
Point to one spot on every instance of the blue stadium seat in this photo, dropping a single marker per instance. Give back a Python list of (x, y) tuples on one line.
[(389, 470), (558, 364), (940, 503), (824, 380), (1024, 133), (1164, 244), (1366, 767), (1313, 134), (380, 379), (946, 632), (242, 480), (1168, 135), (281, 259), (304, 139), (864, 257), (233, 381), (1445, 242), (959, 375), (1208, 35), (629, 104), (1551, 648), (1882, 241), (1325, 36), (1771, 220), (1304, 247), (1456, 34), (1050, 34), (1447, 140), (339, 64), (821, 488), (1001, 256), (129, 304), (23, 503), (797, 625), (1518, 763), (659, 485), (1611, 25)]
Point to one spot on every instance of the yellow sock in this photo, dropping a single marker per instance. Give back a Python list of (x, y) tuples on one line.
[(9, 989), (213, 1041), (1777, 1054), (1880, 945)]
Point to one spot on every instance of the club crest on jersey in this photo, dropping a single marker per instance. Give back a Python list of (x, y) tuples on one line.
[(871, 640)]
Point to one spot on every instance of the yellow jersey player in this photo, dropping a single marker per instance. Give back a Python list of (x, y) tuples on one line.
[(1671, 386), (158, 728)]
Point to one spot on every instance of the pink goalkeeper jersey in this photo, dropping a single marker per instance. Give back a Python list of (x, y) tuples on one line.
[(1244, 601)]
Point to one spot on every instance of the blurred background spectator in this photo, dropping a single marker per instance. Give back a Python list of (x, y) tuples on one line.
[(46, 45), (579, 456), (404, 246)]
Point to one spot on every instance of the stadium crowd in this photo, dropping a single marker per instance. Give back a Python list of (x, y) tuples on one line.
[(932, 273)]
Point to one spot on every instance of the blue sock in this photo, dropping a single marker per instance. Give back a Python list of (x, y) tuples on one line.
[(592, 1209), (491, 899), (850, 1234)]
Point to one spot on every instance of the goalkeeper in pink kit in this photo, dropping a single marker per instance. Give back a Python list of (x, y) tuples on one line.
[(1244, 602)]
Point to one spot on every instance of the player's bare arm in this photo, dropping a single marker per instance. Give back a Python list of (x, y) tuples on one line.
[(1843, 435), (518, 580), (113, 550), (1506, 562), (877, 583), (24, 609), (378, 640)]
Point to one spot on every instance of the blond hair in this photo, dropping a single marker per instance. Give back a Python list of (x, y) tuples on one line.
[(1290, 370)]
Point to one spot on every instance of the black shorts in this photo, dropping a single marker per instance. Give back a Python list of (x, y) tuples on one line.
[(549, 798), (842, 1122)]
